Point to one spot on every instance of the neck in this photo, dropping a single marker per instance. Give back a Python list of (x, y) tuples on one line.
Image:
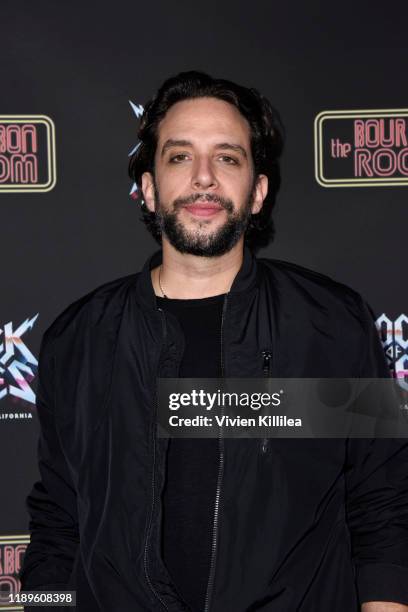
[(188, 276)]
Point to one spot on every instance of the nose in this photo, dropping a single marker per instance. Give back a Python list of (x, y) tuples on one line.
[(203, 176)]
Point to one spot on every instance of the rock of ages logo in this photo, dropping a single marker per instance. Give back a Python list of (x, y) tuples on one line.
[(12, 549), (27, 153), (18, 365), (362, 148), (394, 337)]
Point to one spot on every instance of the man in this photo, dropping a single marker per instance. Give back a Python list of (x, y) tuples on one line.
[(136, 522)]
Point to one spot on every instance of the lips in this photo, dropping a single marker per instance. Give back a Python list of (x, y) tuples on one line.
[(203, 209)]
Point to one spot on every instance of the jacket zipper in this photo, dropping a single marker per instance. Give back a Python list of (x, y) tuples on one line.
[(266, 368), (211, 576), (153, 476)]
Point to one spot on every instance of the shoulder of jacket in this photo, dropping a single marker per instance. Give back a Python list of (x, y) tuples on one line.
[(93, 307), (303, 281)]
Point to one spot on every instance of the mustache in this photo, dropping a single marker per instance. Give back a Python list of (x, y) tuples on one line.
[(208, 197)]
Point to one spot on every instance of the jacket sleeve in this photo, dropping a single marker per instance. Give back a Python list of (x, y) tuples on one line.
[(48, 560), (377, 497)]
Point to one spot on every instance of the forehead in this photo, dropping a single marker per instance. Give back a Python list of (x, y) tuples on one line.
[(204, 119)]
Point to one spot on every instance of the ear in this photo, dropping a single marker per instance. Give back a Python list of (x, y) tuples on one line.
[(148, 190), (260, 193)]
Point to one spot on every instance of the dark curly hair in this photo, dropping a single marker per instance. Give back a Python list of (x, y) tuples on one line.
[(266, 141)]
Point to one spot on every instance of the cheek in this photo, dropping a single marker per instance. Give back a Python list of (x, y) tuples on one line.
[(239, 189), (172, 182)]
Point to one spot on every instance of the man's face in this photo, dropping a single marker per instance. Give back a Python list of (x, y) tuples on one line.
[(204, 189)]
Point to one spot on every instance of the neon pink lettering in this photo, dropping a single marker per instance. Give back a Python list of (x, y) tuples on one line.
[(29, 132), (359, 133), (4, 169), (361, 159), (19, 554), (8, 559), (378, 163), (400, 132), (372, 133), (12, 585), (402, 162), (3, 139), (387, 142), (13, 138), (24, 169)]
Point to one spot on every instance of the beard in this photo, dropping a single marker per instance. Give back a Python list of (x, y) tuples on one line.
[(197, 241)]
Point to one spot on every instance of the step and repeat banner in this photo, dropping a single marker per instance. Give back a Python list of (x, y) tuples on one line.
[(74, 82)]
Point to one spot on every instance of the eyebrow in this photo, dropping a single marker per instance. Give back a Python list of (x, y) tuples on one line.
[(186, 143), (234, 147), (174, 143)]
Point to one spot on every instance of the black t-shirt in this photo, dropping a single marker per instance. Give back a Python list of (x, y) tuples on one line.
[(192, 464)]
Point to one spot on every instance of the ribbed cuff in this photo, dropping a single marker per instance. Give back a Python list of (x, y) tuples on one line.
[(382, 582)]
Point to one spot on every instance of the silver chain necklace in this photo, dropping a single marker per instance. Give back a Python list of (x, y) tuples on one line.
[(160, 285)]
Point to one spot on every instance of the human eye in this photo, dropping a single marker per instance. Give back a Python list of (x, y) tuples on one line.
[(178, 158), (231, 161)]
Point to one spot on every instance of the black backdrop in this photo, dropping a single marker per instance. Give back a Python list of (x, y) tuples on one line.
[(80, 64)]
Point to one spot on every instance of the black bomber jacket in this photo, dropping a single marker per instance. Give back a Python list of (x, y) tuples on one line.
[(308, 525)]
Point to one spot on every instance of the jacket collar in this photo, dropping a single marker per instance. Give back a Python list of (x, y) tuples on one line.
[(244, 280)]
